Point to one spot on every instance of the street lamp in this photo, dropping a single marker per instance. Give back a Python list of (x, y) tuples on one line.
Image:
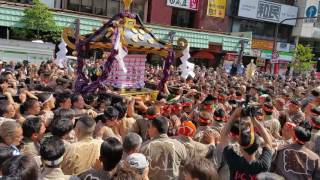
[(277, 28)]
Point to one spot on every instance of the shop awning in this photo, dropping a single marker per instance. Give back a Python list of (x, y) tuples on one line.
[(203, 55)]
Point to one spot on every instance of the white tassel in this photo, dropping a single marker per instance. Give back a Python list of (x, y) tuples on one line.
[(186, 67), (61, 54), (121, 54)]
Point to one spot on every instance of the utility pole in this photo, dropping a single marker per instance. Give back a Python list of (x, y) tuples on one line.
[(274, 51)]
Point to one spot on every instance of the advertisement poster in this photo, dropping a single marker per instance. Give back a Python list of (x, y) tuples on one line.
[(217, 8)]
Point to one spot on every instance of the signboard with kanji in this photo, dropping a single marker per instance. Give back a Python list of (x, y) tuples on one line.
[(217, 8), (185, 4)]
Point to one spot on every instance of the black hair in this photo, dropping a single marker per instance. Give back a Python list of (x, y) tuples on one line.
[(61, 127), (123, 174), (87, 121), (269, 106), (238, 93), (315, 93), (282, 119), (209, 98), (75, 98), (200, 168), (51, 149), (111, 153), (3, 79), (4, 107), (122, 109), (6, 152), (30, 126), (28, 104), (111, 113), (244, 141), (161, 123), (151, 111), (316, 110), (20, 167), (104, 98), (65, 113), (61, 98), (100, 117), (303, 131), (219, 113), (235, 128), (268, 99), (89, 98)]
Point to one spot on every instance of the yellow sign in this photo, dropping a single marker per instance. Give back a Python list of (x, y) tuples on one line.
[(217, 8)]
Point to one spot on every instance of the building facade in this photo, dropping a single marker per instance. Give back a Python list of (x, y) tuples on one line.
[(261, 17), (203, 23)]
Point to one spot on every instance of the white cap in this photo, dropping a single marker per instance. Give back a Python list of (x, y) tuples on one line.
[(138, 162)]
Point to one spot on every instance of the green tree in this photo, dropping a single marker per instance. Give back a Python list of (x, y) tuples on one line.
[(38, 23), (303, 59)]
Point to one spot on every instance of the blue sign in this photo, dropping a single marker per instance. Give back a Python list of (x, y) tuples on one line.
[(311, 11)]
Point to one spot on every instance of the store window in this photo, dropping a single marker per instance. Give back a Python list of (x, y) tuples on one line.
[(86, 6), (74, 5), (182, 18), (99, 7), (263, 30), (113, 7), (104, 7), (20, 1)]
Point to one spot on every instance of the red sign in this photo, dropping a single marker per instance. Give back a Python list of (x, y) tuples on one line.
[(275, 57), (231, 56), (318, 75)]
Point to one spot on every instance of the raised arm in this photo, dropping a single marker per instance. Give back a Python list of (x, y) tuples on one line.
[(263, 132), (226, 129)]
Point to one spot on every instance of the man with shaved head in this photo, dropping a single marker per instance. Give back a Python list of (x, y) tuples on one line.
[(82, 155)]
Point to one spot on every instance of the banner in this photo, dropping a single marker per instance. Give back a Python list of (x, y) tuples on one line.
[(262, 44), (217, 8), (185, 4)]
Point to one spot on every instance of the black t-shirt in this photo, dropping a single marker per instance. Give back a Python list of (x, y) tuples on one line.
[(241, 169)]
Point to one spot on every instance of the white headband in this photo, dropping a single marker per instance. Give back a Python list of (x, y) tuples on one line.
[(53, 163), (51, 96)]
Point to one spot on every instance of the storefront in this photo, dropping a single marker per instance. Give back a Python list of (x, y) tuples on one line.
[(200, 40), (262, 50), (283, 61)]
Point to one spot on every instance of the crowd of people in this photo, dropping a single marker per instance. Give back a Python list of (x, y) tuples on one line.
[(213, 126)]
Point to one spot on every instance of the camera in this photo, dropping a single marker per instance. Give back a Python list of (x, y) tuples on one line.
[(249, 111)]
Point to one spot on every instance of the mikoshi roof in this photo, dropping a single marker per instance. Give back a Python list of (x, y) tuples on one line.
[(125, 28), (134, 36)]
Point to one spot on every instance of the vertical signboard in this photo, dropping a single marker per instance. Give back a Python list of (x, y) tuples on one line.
[(217, 8)]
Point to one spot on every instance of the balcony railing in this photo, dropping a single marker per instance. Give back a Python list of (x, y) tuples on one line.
[(20, 1)]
